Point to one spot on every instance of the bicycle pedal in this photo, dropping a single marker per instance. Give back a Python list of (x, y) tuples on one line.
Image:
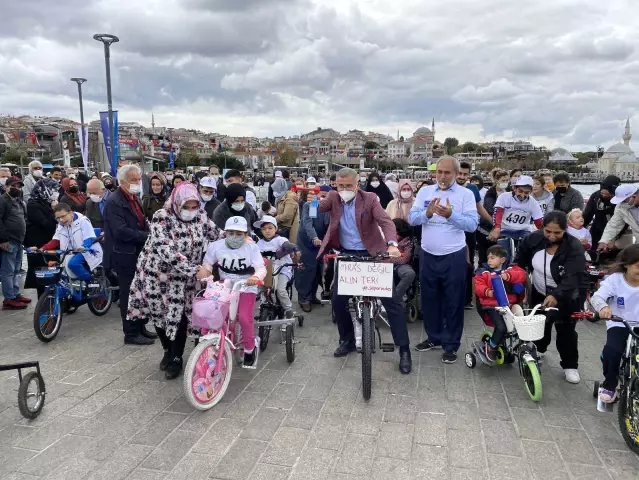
[(387, 347)]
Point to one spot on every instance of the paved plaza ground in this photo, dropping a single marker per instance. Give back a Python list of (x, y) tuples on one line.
[(111, 414)]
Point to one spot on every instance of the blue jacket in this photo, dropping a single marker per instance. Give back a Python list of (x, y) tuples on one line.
[(124, 235)]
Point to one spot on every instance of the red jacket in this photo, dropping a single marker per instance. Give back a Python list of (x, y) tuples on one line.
[(483, 285)]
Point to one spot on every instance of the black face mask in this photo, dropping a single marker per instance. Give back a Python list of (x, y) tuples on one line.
[(14, 192), (561, 190), (73, 189), (110, 186)]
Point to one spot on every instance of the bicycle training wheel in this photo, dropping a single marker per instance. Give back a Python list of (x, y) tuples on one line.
[(290, 343), (367, 352), (532, 380), (31, 395), (47, 317), (202, 387)]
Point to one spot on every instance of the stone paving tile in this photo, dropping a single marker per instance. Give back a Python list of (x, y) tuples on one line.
[(111, 414)]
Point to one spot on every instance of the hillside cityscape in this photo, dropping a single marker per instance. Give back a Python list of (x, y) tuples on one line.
[(55, 140)]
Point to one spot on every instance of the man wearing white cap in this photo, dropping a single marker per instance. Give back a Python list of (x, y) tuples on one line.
[(626, 213), (207, 190), (311, 182), (514, 210)]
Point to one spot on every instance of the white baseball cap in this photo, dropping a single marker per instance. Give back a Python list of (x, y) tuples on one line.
[(524, 181), (237, 224), (623, 192), (278, 174), (311, 180), (208, 182), (265, 219)]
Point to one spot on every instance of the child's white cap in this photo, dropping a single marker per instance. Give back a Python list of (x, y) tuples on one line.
[(237, 224), (265, 219)]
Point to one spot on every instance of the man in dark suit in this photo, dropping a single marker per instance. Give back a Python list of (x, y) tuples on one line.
[(125, 232)]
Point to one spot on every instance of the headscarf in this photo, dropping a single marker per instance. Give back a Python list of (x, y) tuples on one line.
[(43, 190), (610, 183), (279, 189), (383, 192), (232, 192), (403, 205), (158, 196), (78, 197), (181, 194), (175, 177)]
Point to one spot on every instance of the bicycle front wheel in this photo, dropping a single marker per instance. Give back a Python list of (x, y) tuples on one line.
[(47, 316), (202, 387), (367, 352)]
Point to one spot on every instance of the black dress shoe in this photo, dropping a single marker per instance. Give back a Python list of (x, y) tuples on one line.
[(138, 340), (344, 349), (306, 307), (149, 334), (405, 362), (173, 369)]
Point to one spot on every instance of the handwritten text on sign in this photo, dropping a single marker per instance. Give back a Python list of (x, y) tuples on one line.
[(365, 279)]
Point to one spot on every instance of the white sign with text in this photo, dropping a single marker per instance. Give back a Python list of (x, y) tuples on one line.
[(365, 279)]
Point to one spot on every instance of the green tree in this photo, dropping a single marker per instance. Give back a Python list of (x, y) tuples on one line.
[(12, 156), (187, 157), (449, 143), (370, 145), (284, 154), (224, 160), (469, 147)]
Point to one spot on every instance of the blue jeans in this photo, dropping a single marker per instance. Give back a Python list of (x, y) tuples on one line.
[(9, 271)]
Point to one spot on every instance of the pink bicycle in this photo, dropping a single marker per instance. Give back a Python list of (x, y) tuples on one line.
[(208, 371)]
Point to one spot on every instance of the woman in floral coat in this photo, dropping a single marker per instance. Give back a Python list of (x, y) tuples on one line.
[(164, 284)]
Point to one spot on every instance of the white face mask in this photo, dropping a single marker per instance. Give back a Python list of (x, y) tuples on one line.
[(188, 215), (362, 179), (37, 173), (3, 180), (405, 194), (374, 184), (503, 186), (72, 175), (169, 177), (206, 198), (135, 188), (214, 177), (347, 195), (95, 198), (54, 196), (238, 206)]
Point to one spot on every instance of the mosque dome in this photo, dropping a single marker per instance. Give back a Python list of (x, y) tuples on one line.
[(619, 148), (422, 131), (628, 158)]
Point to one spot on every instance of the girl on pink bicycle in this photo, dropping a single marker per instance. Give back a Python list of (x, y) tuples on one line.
[(238, 258)]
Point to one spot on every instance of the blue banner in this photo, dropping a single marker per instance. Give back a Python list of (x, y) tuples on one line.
[(172, 160), (116, 147), (104, 123)]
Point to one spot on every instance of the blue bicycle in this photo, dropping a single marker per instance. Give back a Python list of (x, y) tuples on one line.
[(64, 295)]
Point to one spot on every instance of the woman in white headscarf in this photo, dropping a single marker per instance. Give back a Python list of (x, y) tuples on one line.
[(164, 284)]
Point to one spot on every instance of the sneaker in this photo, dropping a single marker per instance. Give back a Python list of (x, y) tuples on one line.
[(572, 375), (607, 396), (326, 295), (426, 345), (449, 357), (173, 369), (13, 304), (289, 314), (469, 306), (23, 299), (490, 352), (250, 357)]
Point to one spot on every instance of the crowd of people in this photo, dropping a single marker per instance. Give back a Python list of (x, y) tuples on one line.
[(166, 231)]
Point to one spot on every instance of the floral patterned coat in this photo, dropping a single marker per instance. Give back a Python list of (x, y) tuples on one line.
[(164, 284)]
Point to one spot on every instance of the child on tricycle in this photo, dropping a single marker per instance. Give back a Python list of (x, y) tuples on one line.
[(514, 278)]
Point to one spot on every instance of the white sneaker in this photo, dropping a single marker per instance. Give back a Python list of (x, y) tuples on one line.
[(572, 375)]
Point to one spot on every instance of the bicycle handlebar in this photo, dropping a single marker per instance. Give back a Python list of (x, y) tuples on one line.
[(30, 251), (595, 317), (279, 269)]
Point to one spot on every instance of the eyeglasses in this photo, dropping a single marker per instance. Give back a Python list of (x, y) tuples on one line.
[(59, 218)]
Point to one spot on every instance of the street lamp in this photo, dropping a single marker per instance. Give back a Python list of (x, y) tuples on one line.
[(107, 39), (83, 143)]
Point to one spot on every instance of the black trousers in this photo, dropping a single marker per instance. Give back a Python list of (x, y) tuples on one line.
[(175, 347), (483, 244), (329, 273), (471, 244), (616, 338), (567, 338), (125, 278), (499, 328)]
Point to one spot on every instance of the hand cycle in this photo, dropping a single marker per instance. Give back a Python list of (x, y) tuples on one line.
[(208, 371), (521, 332), (272, 314), (59, 298), (367, 310), (627, 394)]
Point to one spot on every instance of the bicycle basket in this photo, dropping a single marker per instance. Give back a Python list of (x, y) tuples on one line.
[(211, 310), (530, 328), (47, 275)]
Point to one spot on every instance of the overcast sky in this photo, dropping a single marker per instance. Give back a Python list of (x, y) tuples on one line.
[(557, 72)]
